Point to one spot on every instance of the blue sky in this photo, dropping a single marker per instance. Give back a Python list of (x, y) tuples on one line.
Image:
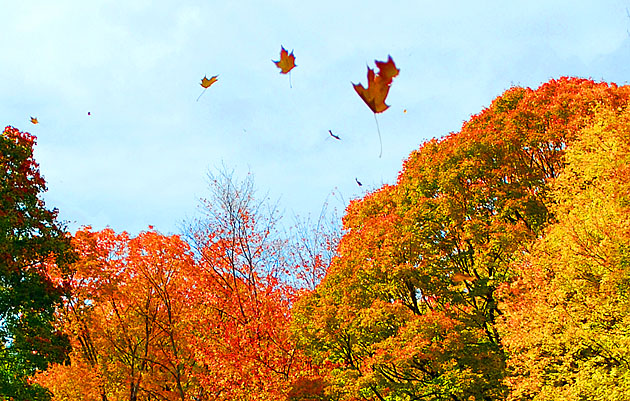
[(142, 155)]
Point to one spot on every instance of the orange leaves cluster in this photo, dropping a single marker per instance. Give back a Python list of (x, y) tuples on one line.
[(146, 317), (126, 318), (378, 85)]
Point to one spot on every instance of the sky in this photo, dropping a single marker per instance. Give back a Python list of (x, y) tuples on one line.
[(143, 153)]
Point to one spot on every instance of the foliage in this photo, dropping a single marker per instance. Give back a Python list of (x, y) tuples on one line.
[(242, 297), (30, 239), (127, 319), (408, 309), (151, 318), (566, 323)]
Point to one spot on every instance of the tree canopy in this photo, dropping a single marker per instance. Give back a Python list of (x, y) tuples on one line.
[(30, 239)]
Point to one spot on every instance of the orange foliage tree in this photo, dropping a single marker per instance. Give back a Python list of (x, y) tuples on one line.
[(408, 309), (127, 318)]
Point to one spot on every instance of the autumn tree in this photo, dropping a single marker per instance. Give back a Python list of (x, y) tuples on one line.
[(567, 314), (127, 317), (152, 319), (30, 238), (408, 309), (243, 296)]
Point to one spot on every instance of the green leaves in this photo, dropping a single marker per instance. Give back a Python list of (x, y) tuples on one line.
[(30, 239)]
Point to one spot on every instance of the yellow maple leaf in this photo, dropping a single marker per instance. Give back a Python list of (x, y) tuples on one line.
[(34, 120)]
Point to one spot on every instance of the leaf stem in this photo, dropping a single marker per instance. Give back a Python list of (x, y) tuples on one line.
[(380, 141), (202, 92)]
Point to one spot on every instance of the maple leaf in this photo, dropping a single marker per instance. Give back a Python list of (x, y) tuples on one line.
[(378, 85), (286, 62), (206, 83), (378, 88), (34, 120)]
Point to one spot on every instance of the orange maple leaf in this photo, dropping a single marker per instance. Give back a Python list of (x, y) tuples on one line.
[(378, 85), (205, 83), (286, 62), (34, 120)]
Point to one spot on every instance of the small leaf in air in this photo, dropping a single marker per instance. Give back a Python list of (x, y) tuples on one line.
[(205, 83), (34, 120), (286, 62)]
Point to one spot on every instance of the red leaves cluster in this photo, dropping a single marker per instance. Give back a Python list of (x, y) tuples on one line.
[(21, 209)]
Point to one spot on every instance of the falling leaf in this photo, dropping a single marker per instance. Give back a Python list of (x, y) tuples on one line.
[(378, 85), (334, 136), (34, 120), (89, 114), (358, 182), (286, 62), (205, 83), (378, 88)]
